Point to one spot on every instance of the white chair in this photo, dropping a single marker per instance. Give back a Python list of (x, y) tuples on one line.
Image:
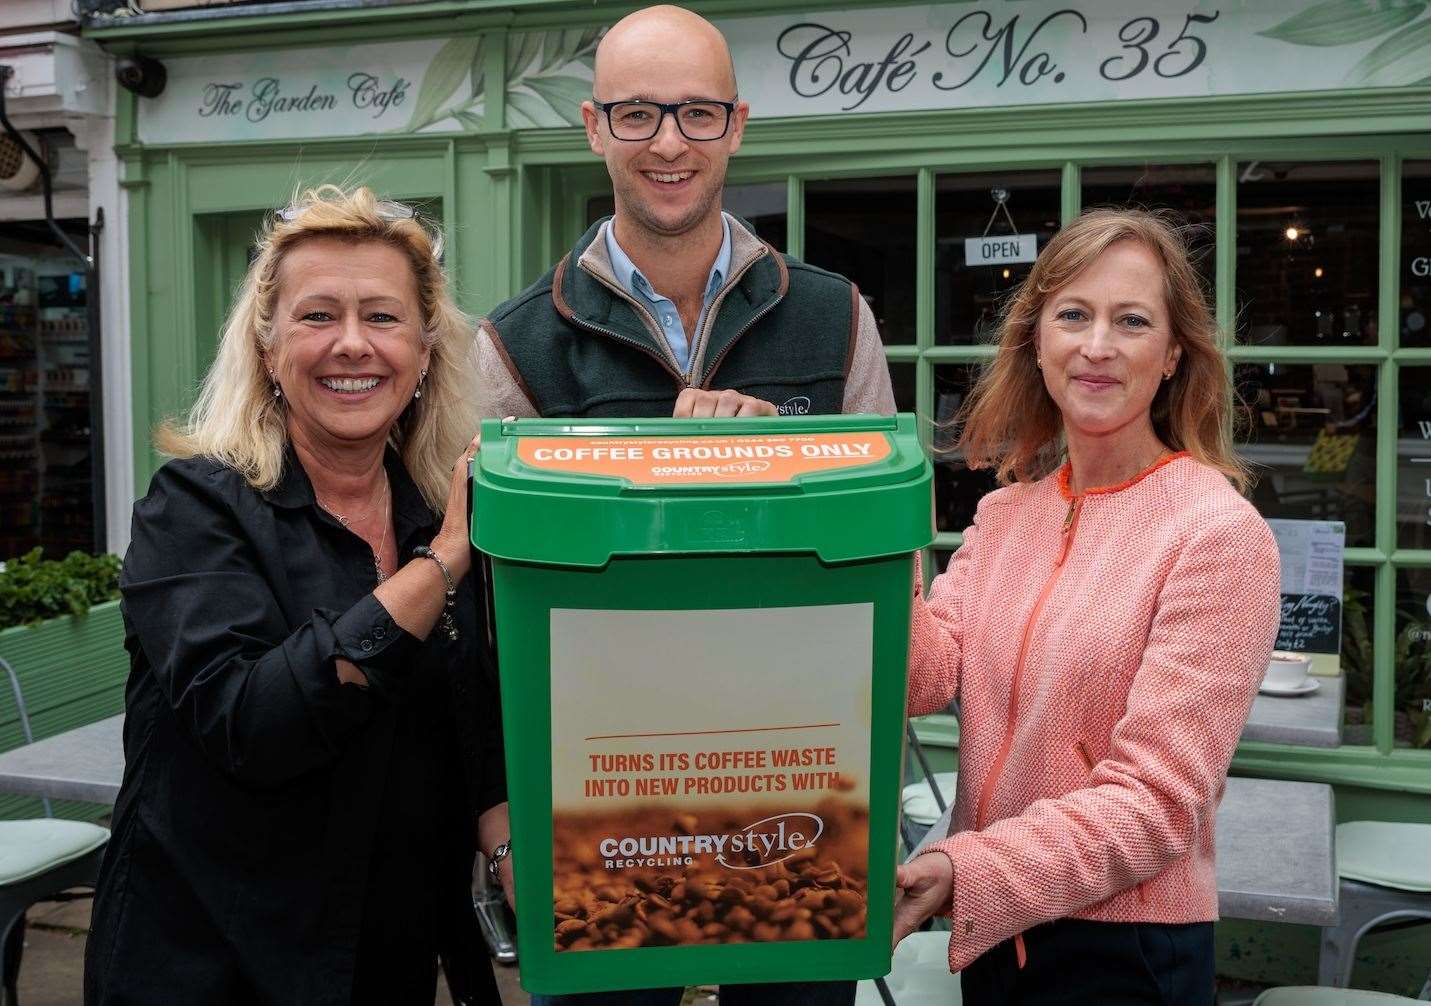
[(1313, 995), (39, 859), (919, 976), (1385, 872)]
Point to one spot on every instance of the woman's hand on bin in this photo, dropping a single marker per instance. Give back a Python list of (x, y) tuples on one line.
[(697, 403), (453, 543), (923, 888)]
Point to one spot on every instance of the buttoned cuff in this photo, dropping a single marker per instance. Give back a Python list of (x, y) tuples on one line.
[(367, 635)]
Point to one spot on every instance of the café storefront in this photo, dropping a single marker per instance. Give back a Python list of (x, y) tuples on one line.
[(926, 151)]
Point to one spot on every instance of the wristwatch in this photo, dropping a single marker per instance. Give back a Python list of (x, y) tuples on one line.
[(498, 854)]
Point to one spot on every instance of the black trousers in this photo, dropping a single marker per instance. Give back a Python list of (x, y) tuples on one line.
[(1072, 962)]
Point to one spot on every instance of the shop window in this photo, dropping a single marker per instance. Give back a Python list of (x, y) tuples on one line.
[(599, 208), (864, 228), (47, 492), (902, 377), (1413, 658), (1189, 191), (1358, 593), (1307, 253), (957, 489), (988, 227), (1415, 313), (761, 205), (1413, 460), (1311, 440)]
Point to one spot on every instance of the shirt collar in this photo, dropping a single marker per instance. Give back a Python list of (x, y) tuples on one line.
[(631, 278)]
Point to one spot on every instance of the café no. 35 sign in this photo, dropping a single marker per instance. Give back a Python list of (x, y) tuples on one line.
[(1015, 52)]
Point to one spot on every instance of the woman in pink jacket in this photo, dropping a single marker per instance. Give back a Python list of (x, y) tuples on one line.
[(1104, 625)]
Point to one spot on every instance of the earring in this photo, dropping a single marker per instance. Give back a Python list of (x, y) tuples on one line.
[(1038, 362), (420, 378), (277, 391)]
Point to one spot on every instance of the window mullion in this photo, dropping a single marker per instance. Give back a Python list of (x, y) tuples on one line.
[(1225, 297), (1072, 192), (795, 217), (1383, 689)]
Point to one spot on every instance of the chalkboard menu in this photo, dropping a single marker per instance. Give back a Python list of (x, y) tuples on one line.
[(1311, 552)]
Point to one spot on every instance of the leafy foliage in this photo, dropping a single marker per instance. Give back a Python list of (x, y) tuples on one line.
[(1342, 22), (33, 589), (1402, 57), (548, 75)]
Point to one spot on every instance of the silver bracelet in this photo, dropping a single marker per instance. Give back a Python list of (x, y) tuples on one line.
[(448, 624)]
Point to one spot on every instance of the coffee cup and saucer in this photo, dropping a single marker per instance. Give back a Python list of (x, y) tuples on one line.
[(1288, 674)]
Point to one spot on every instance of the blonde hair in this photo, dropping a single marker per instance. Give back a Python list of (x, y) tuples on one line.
[(236, 418), (1011, 424)]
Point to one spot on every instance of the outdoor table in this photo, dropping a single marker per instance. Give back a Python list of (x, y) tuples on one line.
[(1308, 720), (86, 764), (1275, 857)]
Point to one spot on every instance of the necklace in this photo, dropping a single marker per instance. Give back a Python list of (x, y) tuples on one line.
[(349, 522)]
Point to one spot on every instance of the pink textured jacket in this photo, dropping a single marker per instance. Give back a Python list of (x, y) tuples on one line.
[(1105, 651)]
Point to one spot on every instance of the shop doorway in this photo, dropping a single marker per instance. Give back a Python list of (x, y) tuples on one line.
[(48, 491)]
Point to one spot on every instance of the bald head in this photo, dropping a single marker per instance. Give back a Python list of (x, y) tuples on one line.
[(664, 42)]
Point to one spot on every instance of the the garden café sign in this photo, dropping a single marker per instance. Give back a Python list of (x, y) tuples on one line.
[(929, 56)]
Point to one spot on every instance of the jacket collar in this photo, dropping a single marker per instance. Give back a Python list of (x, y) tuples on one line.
[(587, 292)]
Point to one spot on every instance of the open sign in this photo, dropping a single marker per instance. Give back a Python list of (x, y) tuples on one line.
[(1001, 249)]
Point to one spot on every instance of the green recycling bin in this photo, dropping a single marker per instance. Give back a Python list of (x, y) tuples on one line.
[(702, 629)]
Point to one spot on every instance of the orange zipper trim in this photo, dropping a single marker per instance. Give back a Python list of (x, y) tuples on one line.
[(1070, 527)]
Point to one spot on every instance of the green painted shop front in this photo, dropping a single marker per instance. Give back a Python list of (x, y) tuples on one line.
[(1312, 212)]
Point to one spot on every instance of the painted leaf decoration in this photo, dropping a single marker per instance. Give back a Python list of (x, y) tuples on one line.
[(469, 120), (445, 74), (528, 111), (1401, 59), (558, 48), (1342, 22), (563, 94), (521, 50), (479, 66)]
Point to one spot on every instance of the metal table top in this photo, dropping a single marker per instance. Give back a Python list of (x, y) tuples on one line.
[(86, 764)]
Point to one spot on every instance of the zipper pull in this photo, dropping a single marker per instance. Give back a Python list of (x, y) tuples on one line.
[(1070, 520)]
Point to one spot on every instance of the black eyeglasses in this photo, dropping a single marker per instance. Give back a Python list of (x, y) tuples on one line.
[(699, 120)]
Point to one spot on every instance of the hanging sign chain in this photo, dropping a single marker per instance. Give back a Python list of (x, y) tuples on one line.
[(1001, 202)]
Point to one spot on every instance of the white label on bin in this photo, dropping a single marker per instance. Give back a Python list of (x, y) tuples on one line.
[(710, 775)]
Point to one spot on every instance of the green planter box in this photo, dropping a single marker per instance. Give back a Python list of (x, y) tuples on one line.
[(72, 671), (703, 630)]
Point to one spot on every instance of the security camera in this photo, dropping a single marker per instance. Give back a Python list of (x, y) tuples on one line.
[(142, 75)]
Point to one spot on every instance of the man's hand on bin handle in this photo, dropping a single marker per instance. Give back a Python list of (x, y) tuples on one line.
[(697, 403)]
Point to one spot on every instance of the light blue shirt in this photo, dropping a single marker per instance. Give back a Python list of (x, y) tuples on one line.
[(663, 309)]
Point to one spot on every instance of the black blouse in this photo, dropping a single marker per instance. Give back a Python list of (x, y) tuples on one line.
[(281, 837)]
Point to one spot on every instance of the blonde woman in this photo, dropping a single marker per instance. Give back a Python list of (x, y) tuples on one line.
[(1105, 624), (312, 723)]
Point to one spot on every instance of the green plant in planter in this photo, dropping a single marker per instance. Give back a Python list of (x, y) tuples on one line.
[(33, 589)]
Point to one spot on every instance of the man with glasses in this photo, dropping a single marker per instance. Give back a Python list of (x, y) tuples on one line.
[(673, 308)]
